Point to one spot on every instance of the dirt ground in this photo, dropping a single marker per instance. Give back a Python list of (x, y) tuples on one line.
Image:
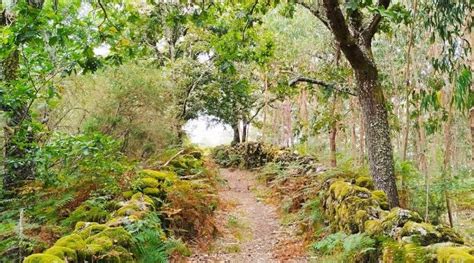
[(250, 228)]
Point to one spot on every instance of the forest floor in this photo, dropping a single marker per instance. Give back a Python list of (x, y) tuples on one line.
[(250, 227)]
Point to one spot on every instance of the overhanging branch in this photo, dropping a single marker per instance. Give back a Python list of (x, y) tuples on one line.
[(314, 11), (321, 83), (371, 29)]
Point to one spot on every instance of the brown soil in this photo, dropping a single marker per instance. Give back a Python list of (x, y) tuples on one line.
[(250, 228)]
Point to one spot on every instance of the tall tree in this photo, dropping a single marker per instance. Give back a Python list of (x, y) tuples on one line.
[(18, 138), (354, 36)]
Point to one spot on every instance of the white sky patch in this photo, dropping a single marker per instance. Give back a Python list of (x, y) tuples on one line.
[(162, 45), (102, 50), (204, 132), (84, 9), (205, 57)]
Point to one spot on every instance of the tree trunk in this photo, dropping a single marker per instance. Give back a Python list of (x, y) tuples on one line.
[(378, 142), (19, 139), (447, 155), (471, 117), (245, 131), (423, 163), (333, 132), (362, 140), (236, 138)]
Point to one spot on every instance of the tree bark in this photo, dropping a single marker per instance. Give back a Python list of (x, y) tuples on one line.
[(380, 152), (447, 154), (333, 133), (236, 138)]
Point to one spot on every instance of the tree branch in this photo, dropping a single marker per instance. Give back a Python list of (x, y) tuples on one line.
[(371, 29), (248, 23), (260, 108), (321, 83), (314, 11), (340, 29)]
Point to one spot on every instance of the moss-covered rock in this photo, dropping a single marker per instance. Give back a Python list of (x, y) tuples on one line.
[(42, 258), (365, 181), (340, 189), (143, 198), (73, 241), (394, 252), (63, 253), (381, 199), (449, 235), (117, 254), (373, 227), (161, 175), (396, 219), (455, 255), (98, 245), (127, 194), (128, 209), (87, 229), (146, 182), (420, 233), (152, 191), (118, 236)]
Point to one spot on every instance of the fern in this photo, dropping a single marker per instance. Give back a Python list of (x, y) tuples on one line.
[(358, 244), (330, 243), (149, 247)]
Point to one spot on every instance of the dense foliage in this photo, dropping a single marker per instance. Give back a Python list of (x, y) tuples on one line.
[(94, 96)]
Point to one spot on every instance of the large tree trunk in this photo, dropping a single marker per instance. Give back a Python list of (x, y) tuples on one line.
[(378, 142)]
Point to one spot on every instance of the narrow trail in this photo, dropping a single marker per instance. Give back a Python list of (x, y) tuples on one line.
[(250, 228)]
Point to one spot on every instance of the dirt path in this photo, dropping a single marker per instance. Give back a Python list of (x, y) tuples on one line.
[(250, 228)]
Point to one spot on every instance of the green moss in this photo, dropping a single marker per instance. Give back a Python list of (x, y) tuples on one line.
[(98, 245), (340, 189), (117, 254), (128, 209), (381, 198), (146, 182), (455, 255), (87, 229), (152, 191), (373, 227), (421, 233), (73, 241), (396, 218), (361, 215), (127, 194), (143, 198), (118, 235), (365, 181), (87, 212), (161, 175), (360, 192), (43, 258), (62, 253), (449, 235)]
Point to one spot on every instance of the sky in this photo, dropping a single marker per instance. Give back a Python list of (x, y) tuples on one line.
[(205, 133)]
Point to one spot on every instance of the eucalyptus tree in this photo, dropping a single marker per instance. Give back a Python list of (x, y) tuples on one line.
[(353, 26)]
